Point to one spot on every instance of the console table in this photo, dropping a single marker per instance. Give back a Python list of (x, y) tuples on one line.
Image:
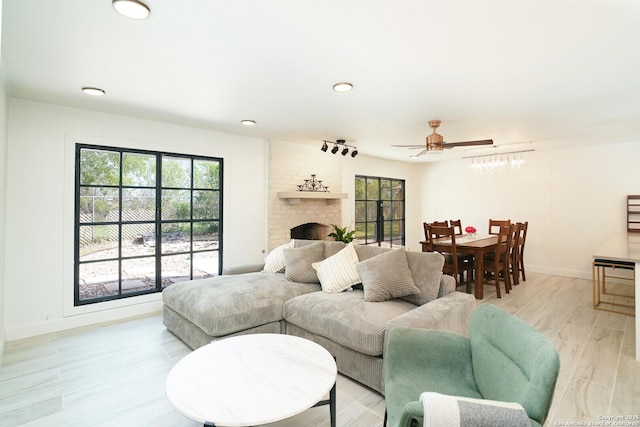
[(625, 247)]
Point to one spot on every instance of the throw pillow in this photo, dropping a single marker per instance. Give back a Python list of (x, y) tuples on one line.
[(338, 272), (444, 410), (274, 262), (298, 262), (386, 276)]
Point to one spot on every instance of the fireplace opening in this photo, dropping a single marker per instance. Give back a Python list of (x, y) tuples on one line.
[(310, 231)]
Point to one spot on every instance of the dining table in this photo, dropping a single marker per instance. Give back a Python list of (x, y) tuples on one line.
[(477, 245)]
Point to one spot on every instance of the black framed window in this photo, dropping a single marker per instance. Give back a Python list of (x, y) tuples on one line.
[(143, 221), (380, 208)]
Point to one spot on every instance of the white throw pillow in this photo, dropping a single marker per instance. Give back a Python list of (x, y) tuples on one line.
[(274, 262), (338, 272)]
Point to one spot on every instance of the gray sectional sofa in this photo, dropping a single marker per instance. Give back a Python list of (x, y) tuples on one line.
[(349, 317)]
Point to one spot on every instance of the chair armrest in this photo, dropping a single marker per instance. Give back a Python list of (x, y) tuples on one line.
[(417, 360), (412, 415), (241, 269), (450, 313)]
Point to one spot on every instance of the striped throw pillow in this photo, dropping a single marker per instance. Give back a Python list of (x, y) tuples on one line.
[(338, 272), (274, 262)]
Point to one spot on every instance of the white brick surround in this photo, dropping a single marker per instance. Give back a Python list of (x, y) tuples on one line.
[(289, 165)]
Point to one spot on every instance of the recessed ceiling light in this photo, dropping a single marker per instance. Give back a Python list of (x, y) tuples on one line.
[(133, 9), (342, 87), (93, 91), (248, 122)]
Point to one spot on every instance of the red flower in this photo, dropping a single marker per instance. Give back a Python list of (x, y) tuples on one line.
[(470, 229)]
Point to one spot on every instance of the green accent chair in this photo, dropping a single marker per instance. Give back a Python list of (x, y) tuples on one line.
[(503, 359)]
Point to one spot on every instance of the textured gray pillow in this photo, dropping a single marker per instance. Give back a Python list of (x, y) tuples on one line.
[(426, 270), (297, 262), (386, 276)]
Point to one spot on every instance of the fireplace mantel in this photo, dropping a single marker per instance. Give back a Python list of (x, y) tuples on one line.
[(295, 196)]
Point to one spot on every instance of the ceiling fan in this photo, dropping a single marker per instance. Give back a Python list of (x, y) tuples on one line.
[(435, 142)]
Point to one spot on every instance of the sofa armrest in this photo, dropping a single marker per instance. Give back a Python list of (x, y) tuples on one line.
[(447, 285), (241, 269), (450, 313)]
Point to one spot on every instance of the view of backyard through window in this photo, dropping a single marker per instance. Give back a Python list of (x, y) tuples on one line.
[(144, 220), (379, 211)]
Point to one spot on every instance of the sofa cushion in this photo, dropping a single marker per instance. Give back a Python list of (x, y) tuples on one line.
[(330, 247), (224, 305), (369, 251), (298, 262), (425, 267), (338, 272), (345, 318), (274, 262), (426, 270), (386, 276)]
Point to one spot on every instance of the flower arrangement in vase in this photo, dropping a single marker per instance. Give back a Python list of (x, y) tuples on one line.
[(471, 230)]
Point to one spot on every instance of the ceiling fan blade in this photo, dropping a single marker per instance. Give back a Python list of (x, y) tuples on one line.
[(423, 152), (468, 143), (408, 146)]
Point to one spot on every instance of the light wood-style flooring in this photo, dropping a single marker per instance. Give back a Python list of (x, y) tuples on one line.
[(113, 375)]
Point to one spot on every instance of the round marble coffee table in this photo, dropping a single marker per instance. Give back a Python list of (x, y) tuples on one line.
[(252, 379)]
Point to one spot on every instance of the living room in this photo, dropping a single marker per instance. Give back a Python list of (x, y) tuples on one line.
[(573, 195)]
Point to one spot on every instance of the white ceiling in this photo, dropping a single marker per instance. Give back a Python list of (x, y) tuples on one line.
[(555, 72)]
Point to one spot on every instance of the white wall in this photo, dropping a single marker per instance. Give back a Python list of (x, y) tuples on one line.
[(3, 187), (574, 199), (39, 207)]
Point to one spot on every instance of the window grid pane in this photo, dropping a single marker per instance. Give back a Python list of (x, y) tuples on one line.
[(379, 211), (120, 208)]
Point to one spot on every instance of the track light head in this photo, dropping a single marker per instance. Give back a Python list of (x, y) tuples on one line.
[(338, 145)]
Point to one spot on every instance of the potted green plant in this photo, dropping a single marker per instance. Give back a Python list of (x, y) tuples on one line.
[(342, 234)]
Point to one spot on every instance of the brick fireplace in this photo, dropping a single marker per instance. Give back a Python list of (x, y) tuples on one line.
[(311, 231), (289, 165)]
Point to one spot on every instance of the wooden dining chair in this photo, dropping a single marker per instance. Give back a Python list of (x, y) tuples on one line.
[(457, 226), (522, 237), (454, 265), (513, 254), (497, 263), (428, 247), (495, 223)]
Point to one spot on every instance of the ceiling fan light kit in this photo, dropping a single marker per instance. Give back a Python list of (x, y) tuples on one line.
[(340, 143), (435, 142)]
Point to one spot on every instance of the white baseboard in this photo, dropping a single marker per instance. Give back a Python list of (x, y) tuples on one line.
[(87, 319), (586, 275)]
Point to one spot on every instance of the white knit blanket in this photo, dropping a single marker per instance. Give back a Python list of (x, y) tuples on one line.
[(453, 411)]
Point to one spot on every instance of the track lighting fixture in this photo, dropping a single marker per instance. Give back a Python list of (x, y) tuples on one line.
[(337, 145)]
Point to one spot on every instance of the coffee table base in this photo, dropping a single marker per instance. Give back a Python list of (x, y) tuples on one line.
[(331, 402)]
